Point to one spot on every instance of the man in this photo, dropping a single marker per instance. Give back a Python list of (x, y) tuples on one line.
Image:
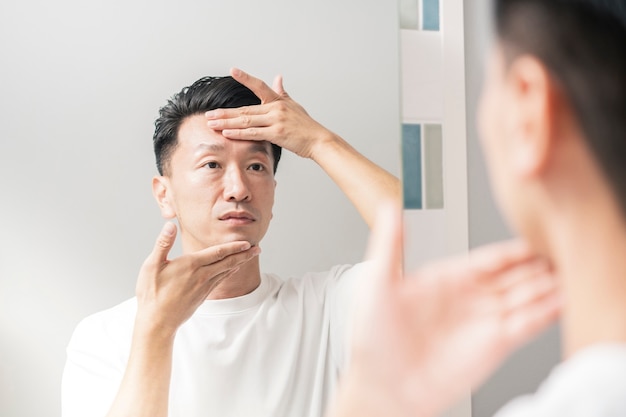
[(553, 121), (208, 334)]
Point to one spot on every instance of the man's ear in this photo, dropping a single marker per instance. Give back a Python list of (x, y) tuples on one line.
[(533, 96), (160, 191)]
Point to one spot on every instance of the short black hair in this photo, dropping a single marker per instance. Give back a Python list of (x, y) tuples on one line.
[(208, 93), (582, 43)]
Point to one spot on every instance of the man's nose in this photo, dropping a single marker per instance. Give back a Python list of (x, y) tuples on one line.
[(235, 186)]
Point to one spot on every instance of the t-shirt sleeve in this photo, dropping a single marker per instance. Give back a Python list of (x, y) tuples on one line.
[(93, 370), (591, 383), (346, 280)]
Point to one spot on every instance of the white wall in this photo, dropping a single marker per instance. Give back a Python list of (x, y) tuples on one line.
[(80, 86)]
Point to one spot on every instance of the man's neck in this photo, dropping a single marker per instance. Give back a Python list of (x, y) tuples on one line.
[(588, 248), (242, 282)]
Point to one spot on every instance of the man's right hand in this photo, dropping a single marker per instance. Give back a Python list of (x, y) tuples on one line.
[(170, 291)]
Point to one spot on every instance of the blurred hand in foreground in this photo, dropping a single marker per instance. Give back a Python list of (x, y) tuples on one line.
[(419, 343)]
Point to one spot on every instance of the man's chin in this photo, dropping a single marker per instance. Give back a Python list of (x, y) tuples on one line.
[(236, 237)]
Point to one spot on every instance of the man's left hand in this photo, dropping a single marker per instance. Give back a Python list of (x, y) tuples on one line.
[(279, 119)]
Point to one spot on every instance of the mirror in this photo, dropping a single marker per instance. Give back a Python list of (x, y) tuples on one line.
[(81, 85)]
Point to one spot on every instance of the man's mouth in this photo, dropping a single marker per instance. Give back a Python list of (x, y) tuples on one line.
[(238, 217)]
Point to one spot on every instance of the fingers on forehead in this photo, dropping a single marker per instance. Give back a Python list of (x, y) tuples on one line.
[(232, 113), (251, 110)]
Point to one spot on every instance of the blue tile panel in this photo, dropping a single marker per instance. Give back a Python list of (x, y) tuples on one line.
[(430, 14), (412, 165)]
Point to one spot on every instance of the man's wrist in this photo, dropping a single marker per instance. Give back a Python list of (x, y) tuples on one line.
[(360, 395), (327, 143), (147, 328), (357, 398)]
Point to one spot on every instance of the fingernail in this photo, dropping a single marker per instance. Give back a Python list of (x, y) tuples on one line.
[(212, 123), (245, 246), (210, 114), (256, 250), (169, 229), (236, 72)]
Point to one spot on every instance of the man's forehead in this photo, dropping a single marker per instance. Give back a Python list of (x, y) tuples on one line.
[(195, 135)]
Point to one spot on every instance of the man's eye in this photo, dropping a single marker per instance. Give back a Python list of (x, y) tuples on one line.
[(211, 165), (257, 167)]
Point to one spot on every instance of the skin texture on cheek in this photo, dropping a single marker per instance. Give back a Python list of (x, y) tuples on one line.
[(201, 226)]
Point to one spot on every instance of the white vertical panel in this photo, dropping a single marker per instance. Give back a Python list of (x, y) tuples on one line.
[(454, 126), (433, 65), (422, 76), (455, 144)]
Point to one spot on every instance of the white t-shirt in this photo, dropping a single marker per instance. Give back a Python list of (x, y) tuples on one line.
[(591, 383), (274, 352)]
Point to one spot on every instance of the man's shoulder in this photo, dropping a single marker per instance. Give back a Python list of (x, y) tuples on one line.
[(590, 383), (308, 277), (318, 282), (114, 323), (122, 311), (335, 272)]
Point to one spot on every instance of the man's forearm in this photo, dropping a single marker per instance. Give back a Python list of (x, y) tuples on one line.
[(144, 391), (364, 183), (357, 398)]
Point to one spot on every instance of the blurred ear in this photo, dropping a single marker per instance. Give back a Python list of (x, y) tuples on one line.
[(532, 95), (160, 191)]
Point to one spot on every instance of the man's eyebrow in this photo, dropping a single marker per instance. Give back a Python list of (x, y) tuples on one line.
[(255, 147), (259, 147), (213, 147)]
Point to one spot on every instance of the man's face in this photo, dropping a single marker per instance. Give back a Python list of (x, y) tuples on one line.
[(220, 190)]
